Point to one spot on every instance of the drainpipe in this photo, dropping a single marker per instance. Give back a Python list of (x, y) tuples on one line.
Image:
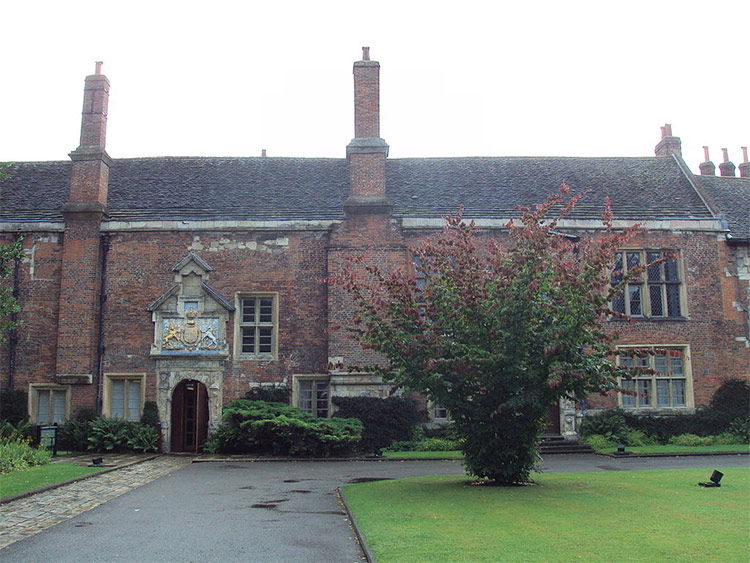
[(99, 379), (13, 333)]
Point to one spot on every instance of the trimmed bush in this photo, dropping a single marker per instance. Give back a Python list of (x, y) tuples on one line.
[(385, 420), (268, 394), (280, 429), (19, 454), (691, 440), (732, 400), (74, 435), (150, 416), (13, 405)]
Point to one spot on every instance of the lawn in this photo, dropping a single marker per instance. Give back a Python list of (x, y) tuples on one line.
[(608, 516), (23, 480), (454, 454)]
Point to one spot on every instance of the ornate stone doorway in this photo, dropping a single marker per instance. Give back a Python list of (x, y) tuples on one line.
[(189, 422)]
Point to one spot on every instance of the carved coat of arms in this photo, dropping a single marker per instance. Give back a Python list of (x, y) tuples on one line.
[(190, 333)]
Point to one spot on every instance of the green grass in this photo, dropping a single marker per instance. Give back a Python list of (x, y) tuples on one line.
[(608, 516), (454, 454), (672, 449), (23, 480)]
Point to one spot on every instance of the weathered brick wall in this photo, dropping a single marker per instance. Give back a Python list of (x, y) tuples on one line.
[(139, 270)]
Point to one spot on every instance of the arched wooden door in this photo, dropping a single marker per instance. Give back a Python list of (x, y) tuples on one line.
[(189, 416)]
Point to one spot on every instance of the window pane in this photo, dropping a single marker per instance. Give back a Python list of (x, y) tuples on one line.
[(617, 269), (678, 392), (248, 340), (265, 334), (618, 303), (662, 392), (626, 361), (305, 395), (670, 268), (654, 272), (42, 407), (660, 363), (266, 310), (117, 404), (134, 399), (58, 406), (634, 260), (634, 292), (248, 310), (673, 300), (677, 366), (628, 400), (657, 309), (644, 391), (321, 388)]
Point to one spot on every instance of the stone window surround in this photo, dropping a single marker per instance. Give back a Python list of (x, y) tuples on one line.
[(33, 399), (238, 354), (644, 283), (107, 389), (688, 375), (296, 394)]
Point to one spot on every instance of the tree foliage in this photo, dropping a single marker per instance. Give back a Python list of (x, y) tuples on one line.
[(10, 253), (496, 334)]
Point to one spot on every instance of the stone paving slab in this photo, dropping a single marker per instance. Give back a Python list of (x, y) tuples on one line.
[(27, 516)]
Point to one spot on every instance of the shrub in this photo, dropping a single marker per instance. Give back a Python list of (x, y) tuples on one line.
[(150, 416), (639, 438), (611, 424), (280, 429), (85, 414), (13, 405), (74, 435), (268, 394), (599, 442), (108, 434), (437, 445), (691, 440), (385, 420), (740, 429), (19, 454), (731, 400), (725, 438), (21, 431), (143, 438)]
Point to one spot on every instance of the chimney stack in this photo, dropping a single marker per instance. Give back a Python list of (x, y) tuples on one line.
[(669, 144), (707, 167), (367, 151), (90, 171), (727, 168), (745, 166)]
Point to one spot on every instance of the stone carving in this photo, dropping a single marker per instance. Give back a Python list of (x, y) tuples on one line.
[(190, 334)]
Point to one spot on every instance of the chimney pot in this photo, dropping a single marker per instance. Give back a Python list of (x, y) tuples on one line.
[(745, 165), (725, 153), (706, 158), (263, 152), (669, 144), (98, 67), (365, 53), (727, 168)]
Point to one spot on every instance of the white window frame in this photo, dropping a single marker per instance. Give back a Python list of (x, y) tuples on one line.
[(239, 326), (33, 400), (687, 376), (109, 378), (297, 391)]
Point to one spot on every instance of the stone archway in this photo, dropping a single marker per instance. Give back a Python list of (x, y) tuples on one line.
[(171, 373)]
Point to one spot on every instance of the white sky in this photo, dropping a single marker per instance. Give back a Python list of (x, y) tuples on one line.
[(458, 78)]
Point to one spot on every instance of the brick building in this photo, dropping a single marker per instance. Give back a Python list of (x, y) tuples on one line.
[(188, 281)]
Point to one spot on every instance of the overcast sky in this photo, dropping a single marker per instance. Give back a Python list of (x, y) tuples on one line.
[(220, 78)]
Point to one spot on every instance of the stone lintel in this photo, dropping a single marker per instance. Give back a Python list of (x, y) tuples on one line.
[(74, 378)]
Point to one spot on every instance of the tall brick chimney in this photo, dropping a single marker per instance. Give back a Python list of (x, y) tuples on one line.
[(745, 166), (367, 151), (78, 320), (727, 168), (707, 167), (669, 144)]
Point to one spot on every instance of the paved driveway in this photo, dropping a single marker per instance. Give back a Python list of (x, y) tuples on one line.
[(261, 511)]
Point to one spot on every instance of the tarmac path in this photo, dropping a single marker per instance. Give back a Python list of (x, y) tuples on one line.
[(168, 509)]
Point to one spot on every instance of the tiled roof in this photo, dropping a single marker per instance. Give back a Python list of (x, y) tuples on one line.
[(315, 188), (729, 197)]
